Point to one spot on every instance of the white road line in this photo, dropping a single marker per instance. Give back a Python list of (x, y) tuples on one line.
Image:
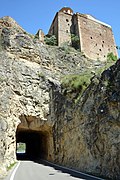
[(74, 170), (13, 174)]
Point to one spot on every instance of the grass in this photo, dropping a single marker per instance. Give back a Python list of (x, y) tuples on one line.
[(77, 83), (73, 85), (11, 166)]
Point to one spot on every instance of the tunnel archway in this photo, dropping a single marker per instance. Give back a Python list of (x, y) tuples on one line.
[(36, 144), (37, 139)]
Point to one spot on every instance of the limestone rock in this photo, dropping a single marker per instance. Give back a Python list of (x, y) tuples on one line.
[(93, 129), (84, 135)]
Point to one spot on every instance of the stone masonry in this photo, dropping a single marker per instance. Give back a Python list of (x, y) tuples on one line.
[(96, 39)]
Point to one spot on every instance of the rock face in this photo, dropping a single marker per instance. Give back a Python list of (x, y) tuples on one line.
[(92, 126), (84, 135)]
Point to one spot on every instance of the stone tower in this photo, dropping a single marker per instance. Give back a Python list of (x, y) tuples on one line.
[(96, 39)]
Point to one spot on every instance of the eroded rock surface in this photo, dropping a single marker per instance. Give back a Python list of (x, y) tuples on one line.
[(92, 126), (85, 134)]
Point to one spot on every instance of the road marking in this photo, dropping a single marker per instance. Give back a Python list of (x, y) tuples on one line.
[(13, 174), (74, 170)]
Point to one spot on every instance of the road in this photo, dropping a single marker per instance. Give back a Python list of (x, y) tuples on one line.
[(29, 170)]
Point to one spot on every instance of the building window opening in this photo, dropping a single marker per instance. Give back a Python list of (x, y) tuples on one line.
[(67, 31), (67, 20), (100, 50), (103, 41), (102, 45), (91, 37)]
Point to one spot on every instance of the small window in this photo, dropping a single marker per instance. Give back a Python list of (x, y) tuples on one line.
[(67, 31), (100, 50), (103, 41), (102, 45), (67, 20), (68, 24), (100, 34), (90, 37)]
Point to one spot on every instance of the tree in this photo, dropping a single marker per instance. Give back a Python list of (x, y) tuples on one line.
[(51, 40)]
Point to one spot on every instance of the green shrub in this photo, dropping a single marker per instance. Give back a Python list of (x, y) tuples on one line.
[(75, 41), (111, 57), (51, 40), (77, 82), (66, 48), (74, 85)]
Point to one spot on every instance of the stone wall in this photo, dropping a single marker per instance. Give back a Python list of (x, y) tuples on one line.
[(54, 27), (61, 26), (64, 28), (96, 38)]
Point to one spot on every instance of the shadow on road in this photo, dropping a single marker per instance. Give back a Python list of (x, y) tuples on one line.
[(75, 174), (72, 173)]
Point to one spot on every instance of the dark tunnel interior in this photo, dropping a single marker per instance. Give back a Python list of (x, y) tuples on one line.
[(35, 143)]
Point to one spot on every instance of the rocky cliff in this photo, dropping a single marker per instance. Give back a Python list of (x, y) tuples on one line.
[(79, 127), (93, 126)]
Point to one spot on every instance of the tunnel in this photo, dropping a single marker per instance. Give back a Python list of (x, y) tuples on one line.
[(36, 144)]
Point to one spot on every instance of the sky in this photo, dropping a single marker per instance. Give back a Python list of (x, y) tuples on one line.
[(38, 14)]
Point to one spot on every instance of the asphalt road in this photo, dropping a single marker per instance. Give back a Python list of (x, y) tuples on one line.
[(30, 170)]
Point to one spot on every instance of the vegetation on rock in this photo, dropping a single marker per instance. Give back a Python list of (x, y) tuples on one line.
[(51, 40), (111, 57), (75, 41), (73, 85)]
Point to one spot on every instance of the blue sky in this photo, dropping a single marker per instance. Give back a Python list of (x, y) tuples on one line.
[(38, 14)]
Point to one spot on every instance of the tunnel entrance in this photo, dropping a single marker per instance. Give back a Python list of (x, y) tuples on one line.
[(35, 144)]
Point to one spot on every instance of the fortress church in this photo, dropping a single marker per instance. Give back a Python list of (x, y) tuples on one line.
[(96, 39)]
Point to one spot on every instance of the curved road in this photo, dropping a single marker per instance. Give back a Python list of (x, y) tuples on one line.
[(30, 170)]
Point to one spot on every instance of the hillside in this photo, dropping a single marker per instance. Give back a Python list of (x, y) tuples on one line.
[(62, 96)]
